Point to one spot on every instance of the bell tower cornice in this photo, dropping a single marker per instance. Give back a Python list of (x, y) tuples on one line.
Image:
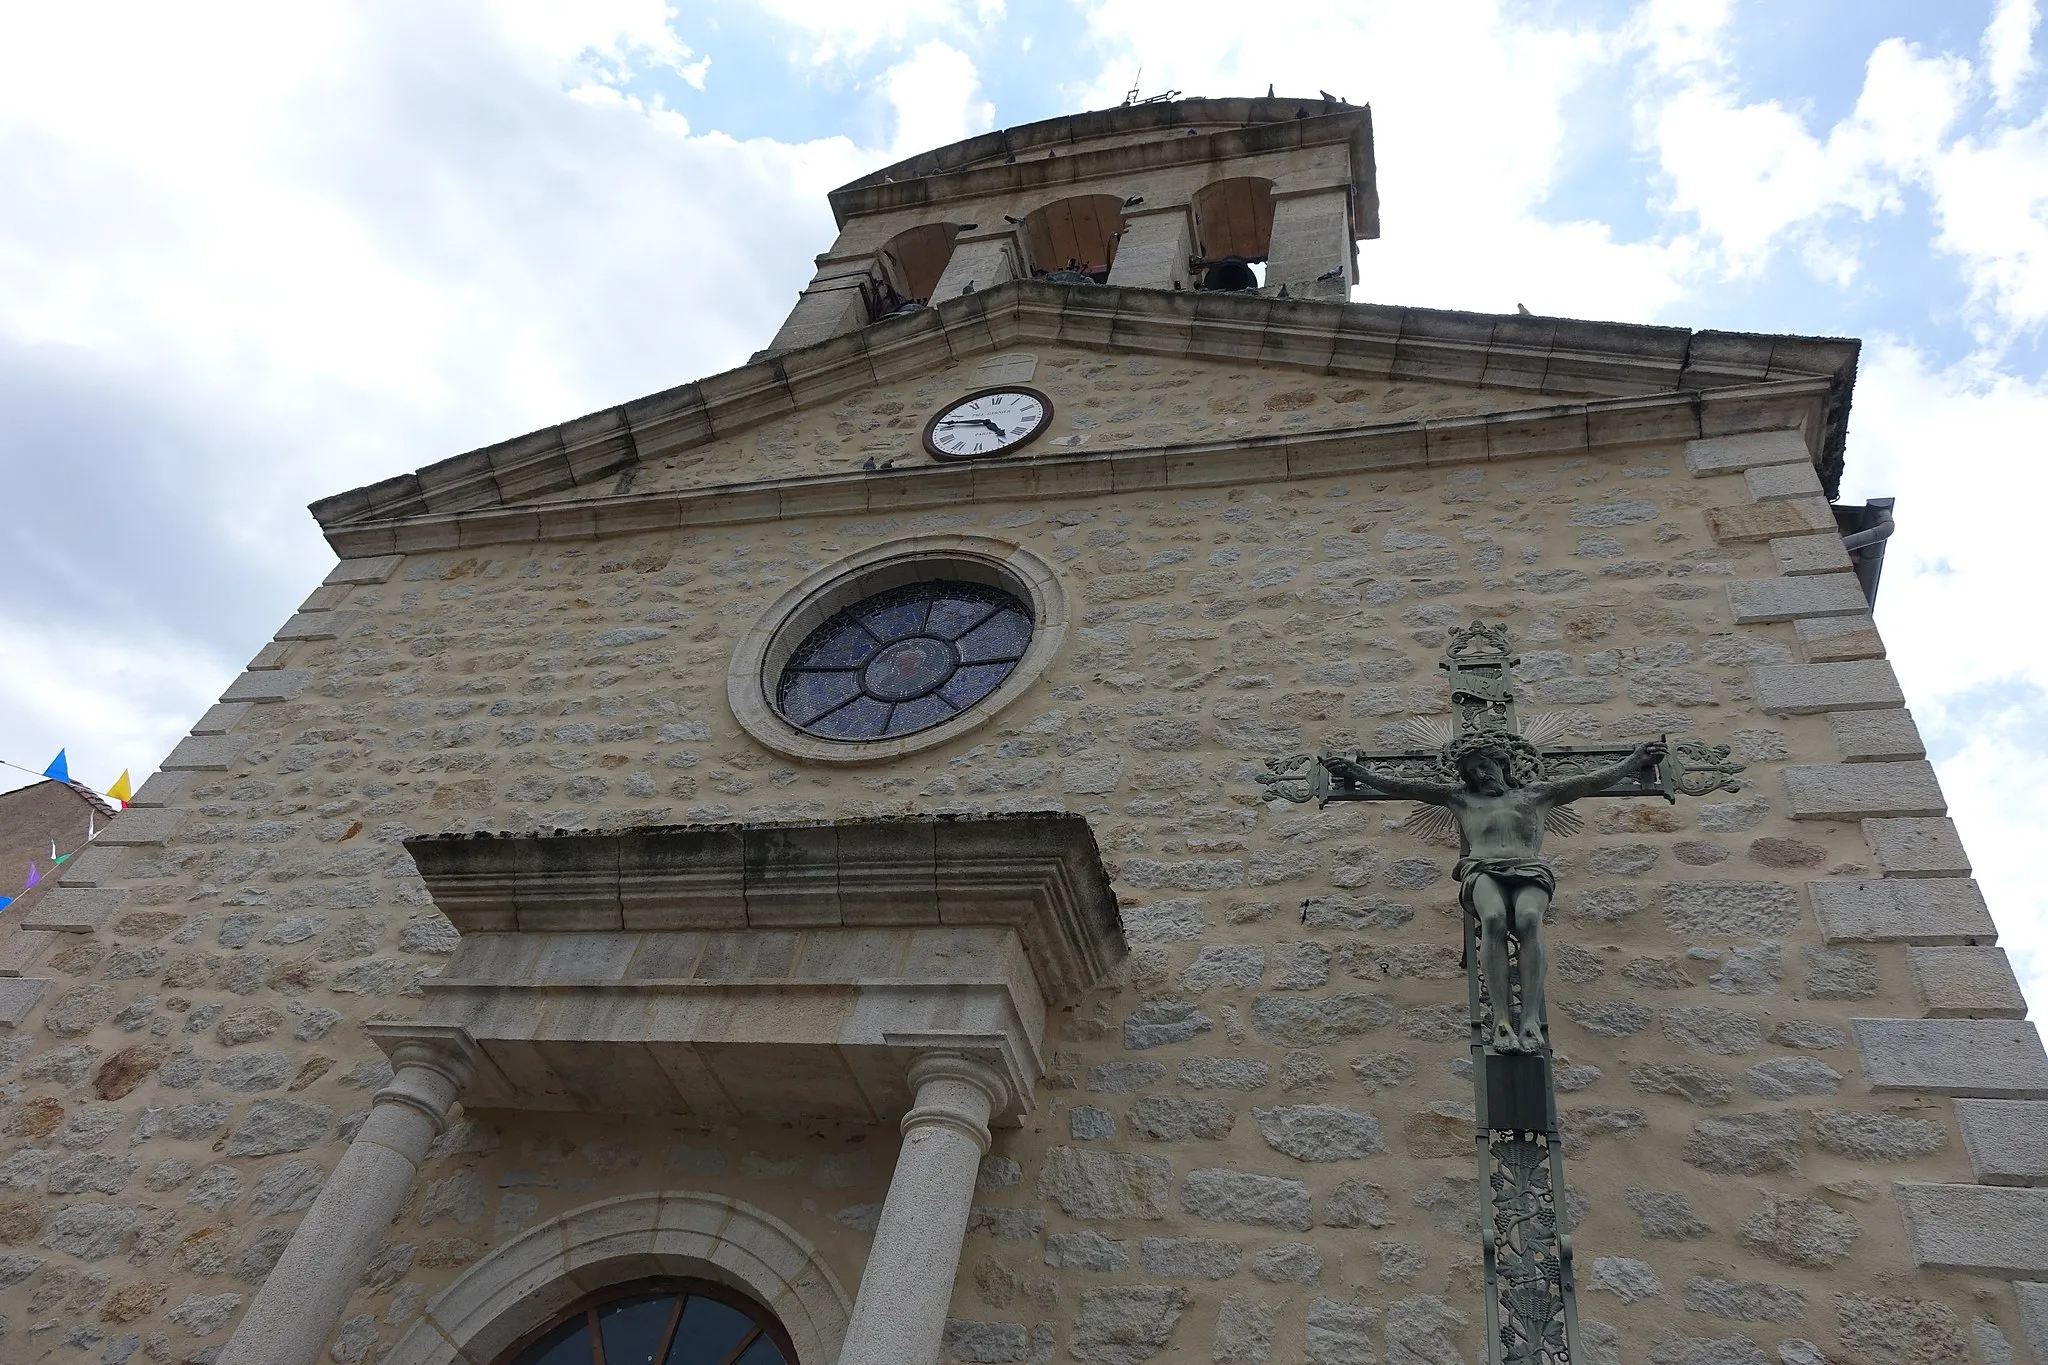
[(1107, 142)]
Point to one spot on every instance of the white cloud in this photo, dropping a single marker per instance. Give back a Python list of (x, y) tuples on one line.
[(934, 93), (1754, 178), (1991, 201), (300, 248), (113, 702), (2009, 49), (841, 31), (1954, 446), (1469, 113)]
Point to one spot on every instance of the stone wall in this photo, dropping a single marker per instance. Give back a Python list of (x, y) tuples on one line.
[(1256, 1145)]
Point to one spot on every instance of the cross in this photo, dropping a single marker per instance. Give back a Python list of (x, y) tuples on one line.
[(1491, 778)]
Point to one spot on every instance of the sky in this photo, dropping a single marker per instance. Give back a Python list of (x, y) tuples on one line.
[(254, 254)]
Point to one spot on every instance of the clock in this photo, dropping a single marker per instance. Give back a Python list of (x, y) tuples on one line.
[(998, 421)]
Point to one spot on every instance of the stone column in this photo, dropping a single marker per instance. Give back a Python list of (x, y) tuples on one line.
[(1154, 251), (900, 1313), (983, 262), (295, 1312), (1311, 240)]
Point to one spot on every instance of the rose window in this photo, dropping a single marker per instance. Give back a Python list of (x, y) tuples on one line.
[(903, 660)]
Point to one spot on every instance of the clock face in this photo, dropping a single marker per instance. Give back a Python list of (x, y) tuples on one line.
[(991, 422)]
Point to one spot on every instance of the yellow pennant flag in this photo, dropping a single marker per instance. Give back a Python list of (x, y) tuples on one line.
[(122, 790)]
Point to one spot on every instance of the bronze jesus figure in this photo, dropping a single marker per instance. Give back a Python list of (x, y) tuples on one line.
[(1503, 881)]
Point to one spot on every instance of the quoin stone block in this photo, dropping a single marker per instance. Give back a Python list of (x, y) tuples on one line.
[(1966, 983), (2007, 1140), (1977, 1229), (1930, 911), (1784, 599), (1797, 555), (1802, 689), (1876, 736), (1917, 848), (1856, 791), (1767, 483), (1977, 1058), (1823, 639), (1734, 454)]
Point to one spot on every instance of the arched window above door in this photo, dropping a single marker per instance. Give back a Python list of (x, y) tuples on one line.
[(661, 1322)]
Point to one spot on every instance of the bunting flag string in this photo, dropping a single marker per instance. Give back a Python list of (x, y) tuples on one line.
[(59, 770)]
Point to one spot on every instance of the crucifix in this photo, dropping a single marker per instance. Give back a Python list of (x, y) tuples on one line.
[(1492, 780)]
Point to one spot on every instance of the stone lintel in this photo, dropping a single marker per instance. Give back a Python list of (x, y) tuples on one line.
[(1966, 983), (1917, 848), (1039, 875), (1928, 912), (1734, 454), (1806, 689), (2007, 1140), (268, 684), (1974, 1058), (75, 910), (1976, 1229), (18, 995), (1859, 791), (1784, 599), (1877, 736)]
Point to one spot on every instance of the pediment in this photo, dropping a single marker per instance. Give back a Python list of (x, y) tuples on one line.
[(1135, 375)]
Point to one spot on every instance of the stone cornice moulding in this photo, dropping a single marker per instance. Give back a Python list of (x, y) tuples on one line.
[(1040, 875), (1565, 429), (1709, 376), (922, 183)]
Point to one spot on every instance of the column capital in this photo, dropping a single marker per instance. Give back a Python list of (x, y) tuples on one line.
[(955, 1091), (432, 1064)]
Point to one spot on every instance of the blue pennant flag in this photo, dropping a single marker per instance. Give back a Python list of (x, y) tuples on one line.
[(59, 770), (6, 901)]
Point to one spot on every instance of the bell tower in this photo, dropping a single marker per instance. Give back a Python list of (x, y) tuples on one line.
[(1266, 195)]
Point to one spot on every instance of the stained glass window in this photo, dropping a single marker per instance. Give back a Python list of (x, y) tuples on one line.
[(903, 660), (669, 1324)]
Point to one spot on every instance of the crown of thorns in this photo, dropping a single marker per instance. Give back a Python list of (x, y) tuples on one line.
[(1519, 759)]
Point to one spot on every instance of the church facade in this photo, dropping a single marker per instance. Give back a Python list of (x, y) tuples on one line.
[(833, 862)]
